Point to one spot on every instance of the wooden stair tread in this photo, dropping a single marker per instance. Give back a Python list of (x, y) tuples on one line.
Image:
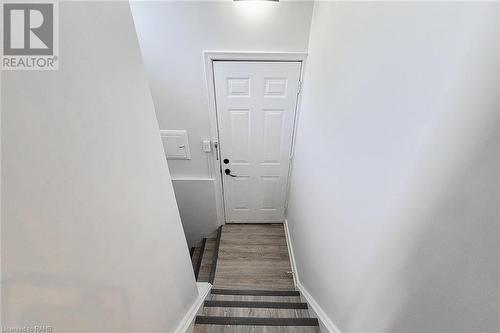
[(256, 321), (204, 328), (290, 299), (256, 304), (207, 260), (255, 292), (199, 259), (255, 312), (194, 256)]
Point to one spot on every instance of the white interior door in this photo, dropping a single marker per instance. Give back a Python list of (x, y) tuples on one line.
[(256, 104)]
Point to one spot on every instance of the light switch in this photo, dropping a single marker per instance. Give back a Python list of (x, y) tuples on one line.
[(175, 144), (206, 145)]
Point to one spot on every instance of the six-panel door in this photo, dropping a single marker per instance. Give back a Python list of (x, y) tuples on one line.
[(256, 104)]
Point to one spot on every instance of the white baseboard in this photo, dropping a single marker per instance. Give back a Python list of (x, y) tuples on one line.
[(323, 318), (326, 322), (186, 324), (291, 254)]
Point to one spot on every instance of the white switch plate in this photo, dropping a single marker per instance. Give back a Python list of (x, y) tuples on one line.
[(206, 145), (175, 144)]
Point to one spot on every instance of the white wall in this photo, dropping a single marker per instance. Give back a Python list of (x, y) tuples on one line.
[(173, 36), (195, 201), (91, 235), (393, 210)]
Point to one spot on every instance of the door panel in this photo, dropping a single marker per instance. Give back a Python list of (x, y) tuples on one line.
[(256, 104), (240, 135), (273, 130)]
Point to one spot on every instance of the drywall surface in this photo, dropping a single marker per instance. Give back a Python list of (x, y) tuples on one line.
[(200, 222), (173, 36), (394, 204), (91, 235)]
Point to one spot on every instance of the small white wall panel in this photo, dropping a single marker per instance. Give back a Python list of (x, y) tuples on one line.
[(175, 144)]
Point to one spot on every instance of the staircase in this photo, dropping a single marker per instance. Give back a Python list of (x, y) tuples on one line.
[(204, 258), (241, 309), (257, 311)]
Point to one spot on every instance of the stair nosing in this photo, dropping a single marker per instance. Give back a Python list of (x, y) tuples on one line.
[(256, 321), (256, 304), (248, 292)]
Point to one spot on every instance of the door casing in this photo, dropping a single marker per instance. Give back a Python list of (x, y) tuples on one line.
[(214, 159)]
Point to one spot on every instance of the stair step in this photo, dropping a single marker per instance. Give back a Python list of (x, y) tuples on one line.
[(203, 328), (194, 256), (254, 304), (215, 256), (249, 298), (256, 321), (200, 258), (255, 312), (255, 292), (207, 260)]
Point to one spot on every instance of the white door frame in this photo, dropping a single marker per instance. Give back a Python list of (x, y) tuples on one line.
[(214, 161)]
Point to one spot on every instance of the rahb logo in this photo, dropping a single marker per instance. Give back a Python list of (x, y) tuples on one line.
[(30, 36)]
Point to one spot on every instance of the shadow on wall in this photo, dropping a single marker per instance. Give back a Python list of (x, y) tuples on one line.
[(448, 273), (453, 267), (446, 248), (195, 199), (64, 304)]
